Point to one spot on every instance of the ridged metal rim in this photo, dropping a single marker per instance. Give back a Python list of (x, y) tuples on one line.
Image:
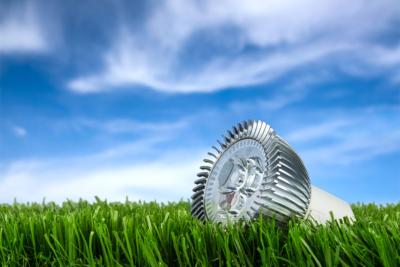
[(285, 191)]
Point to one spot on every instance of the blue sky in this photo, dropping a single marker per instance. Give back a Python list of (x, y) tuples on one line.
[(117, 99)]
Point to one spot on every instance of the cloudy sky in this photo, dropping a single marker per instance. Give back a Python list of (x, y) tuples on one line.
[(117, 99)]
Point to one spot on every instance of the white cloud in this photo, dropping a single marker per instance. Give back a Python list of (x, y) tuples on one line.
[(166, 179), (293, 92), (344, 139), (217, 74), (354, 148), (329, 128), (21, 31), (125, 125), (141, 170), (135, 170), (19, 131), (146, 135), (285, 35)]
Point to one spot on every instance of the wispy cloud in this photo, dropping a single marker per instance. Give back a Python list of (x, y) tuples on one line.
[(19, 131), (353, 148), (123, 68), (164, 178), (21, 30), (282, 36), (294, 91), (324, 129), (343, 139), (124, 125), (137, 169)]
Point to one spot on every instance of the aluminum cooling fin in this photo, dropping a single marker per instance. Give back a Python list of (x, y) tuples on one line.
[(253, 171)]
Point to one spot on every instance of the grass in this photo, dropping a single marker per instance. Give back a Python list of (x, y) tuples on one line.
[(151, 234)]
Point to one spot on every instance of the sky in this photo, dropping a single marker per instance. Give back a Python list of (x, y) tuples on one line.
[(123, 99)]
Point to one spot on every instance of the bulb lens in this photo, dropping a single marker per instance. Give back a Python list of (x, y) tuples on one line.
[(234, 180)]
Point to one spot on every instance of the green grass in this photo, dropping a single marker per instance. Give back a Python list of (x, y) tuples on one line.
[(151, 234)]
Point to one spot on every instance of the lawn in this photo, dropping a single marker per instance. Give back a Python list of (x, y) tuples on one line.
[(153, 234)]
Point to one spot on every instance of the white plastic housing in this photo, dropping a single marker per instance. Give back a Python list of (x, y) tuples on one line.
[(322, 204)]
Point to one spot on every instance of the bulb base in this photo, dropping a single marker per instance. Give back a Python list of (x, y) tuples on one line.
[(324, 205)]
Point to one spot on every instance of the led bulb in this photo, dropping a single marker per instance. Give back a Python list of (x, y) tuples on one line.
[(255, 171)]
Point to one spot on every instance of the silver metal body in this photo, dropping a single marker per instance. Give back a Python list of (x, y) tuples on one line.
[(254, 171)]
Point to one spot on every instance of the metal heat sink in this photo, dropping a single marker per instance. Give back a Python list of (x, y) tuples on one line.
[(254, 171)]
